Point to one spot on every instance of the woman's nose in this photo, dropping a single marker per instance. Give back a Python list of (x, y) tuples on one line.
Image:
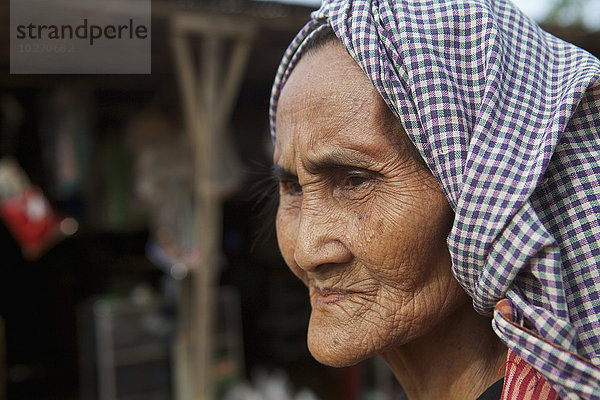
[(319, 241)]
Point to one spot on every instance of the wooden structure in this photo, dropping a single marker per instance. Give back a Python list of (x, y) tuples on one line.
[(208, 96), (211, 54)]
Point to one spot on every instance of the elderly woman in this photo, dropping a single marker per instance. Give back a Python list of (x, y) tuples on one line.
[(438, 166)]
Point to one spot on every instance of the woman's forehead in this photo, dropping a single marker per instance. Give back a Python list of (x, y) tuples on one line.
[(329, 69), (327, 100)]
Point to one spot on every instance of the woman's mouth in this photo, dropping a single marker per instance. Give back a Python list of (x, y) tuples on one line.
[(327, 296)]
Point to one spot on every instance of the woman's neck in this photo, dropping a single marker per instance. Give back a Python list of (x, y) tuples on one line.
[(458, 359)]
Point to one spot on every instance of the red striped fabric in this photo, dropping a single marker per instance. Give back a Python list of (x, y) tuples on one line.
[(522, 382)]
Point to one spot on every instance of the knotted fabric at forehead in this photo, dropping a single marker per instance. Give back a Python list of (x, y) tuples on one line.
[(507, 117)]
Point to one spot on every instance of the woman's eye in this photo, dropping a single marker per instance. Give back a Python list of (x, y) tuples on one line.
[(291, 187), (354, 181)]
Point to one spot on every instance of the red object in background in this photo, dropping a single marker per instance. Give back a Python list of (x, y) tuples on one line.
[(33, 223)]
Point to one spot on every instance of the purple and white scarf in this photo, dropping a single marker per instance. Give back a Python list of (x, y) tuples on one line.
[(507, 117)]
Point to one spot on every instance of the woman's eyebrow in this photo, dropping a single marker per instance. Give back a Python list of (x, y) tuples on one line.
[(335, 160), (325, 162)]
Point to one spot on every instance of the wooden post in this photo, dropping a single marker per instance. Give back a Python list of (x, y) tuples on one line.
[(207, 100)]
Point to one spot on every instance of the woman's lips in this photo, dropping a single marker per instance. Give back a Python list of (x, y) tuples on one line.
[(327, 296)]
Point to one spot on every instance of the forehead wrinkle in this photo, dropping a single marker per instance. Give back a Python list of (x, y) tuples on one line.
[(337, 121)]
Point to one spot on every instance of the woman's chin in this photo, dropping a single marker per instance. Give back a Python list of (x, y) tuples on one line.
[(335, 350)]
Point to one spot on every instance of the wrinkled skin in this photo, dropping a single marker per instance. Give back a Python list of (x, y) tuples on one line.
[(360, 221)]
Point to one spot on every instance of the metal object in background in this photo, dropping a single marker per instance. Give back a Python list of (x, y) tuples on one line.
[(125, 350)]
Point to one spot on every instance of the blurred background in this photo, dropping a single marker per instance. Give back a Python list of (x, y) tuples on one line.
[(138, 259)]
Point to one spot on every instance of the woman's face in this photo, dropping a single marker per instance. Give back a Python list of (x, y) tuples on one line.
[(360, 222)]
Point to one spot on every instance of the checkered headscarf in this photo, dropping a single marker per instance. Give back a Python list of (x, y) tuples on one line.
[(507, 117)]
